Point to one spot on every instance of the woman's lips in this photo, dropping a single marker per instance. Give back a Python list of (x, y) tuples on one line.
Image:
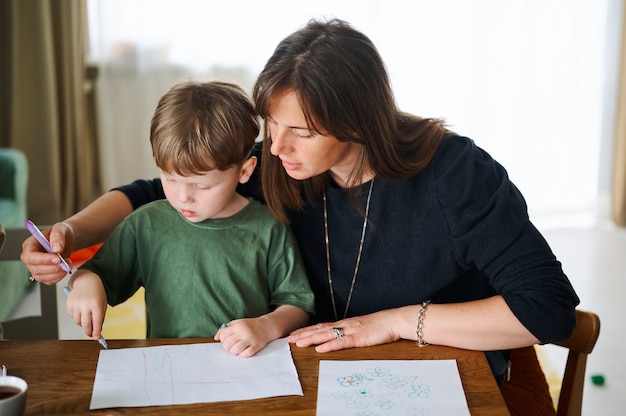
[(290, 166)]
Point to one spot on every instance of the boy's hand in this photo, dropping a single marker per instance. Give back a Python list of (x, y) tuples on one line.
[(244, 337), (87, 303)]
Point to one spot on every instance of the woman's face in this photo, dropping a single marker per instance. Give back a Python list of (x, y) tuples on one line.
[(303, 153)]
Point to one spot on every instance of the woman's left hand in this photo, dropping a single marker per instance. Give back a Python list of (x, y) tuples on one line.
[(360, 331)]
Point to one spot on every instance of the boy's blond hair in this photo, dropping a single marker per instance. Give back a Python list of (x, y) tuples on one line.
[(201, 126)]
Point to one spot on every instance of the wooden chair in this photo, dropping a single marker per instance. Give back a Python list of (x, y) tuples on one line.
[(580, 345)]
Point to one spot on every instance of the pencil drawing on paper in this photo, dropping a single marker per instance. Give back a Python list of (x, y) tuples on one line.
[(378, 390), (390, 388), (191, 373)]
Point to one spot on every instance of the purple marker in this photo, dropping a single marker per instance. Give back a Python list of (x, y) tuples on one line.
[(46, 244)]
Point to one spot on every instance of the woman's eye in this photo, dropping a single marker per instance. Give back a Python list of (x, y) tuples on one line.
[(302, 134)]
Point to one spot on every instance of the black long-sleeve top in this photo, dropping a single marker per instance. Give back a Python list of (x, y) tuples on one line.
[(457, 231)]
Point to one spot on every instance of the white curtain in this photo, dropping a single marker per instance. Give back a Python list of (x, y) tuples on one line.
[(526, 79)]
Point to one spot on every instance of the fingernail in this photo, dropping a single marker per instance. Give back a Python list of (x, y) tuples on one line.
[(56, 247)]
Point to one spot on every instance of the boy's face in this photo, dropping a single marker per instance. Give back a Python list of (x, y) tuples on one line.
[(211, 195)]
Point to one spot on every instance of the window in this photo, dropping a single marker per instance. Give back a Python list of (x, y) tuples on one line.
[(524, 78)]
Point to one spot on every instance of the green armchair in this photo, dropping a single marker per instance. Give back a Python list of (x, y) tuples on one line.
[(13, 186)]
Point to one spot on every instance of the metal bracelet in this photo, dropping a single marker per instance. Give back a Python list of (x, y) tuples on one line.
[(420, 324)]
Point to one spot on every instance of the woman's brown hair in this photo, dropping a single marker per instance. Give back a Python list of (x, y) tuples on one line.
[(344, 91)]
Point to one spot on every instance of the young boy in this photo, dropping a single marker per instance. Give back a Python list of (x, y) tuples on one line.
[(206, 255)]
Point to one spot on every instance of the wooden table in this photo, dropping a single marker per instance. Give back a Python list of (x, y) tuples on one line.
[(60, 375)]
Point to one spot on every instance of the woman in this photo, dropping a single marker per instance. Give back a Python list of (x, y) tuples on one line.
[(407, 229)]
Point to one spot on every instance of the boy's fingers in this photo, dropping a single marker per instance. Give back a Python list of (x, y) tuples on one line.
[(86, 324)]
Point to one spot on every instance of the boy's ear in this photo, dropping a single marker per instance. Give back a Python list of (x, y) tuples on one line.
[(247, 168)]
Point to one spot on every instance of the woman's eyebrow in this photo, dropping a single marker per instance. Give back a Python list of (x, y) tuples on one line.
[(290, 127)]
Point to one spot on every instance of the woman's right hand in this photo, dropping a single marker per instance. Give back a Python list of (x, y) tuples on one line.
[(43, 266), (90, 226)]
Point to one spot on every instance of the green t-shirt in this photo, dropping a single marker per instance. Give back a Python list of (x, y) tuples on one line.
[(198, 275)]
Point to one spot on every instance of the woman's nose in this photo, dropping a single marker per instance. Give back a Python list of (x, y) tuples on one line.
[(279, 141)]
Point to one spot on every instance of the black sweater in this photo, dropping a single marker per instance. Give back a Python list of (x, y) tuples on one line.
[(457, 231)]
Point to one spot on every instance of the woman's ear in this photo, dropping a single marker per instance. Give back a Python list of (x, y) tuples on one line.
[(247, 168)]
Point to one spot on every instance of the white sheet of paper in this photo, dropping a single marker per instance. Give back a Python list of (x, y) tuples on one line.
[(191, 373), (390, 387)]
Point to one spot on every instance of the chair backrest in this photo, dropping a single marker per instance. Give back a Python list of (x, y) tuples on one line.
[(44, 326), (14, 180), (580, 345)]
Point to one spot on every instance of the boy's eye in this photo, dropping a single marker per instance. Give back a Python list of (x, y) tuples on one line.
[(199, 186)]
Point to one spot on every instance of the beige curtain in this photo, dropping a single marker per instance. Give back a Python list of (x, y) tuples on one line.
[(44, 103), (618, 191)]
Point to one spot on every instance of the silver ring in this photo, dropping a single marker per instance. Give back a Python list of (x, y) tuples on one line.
[(31, 278), (338, 332)]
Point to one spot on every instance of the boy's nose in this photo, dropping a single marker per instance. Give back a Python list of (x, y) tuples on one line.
[(184, 195)]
